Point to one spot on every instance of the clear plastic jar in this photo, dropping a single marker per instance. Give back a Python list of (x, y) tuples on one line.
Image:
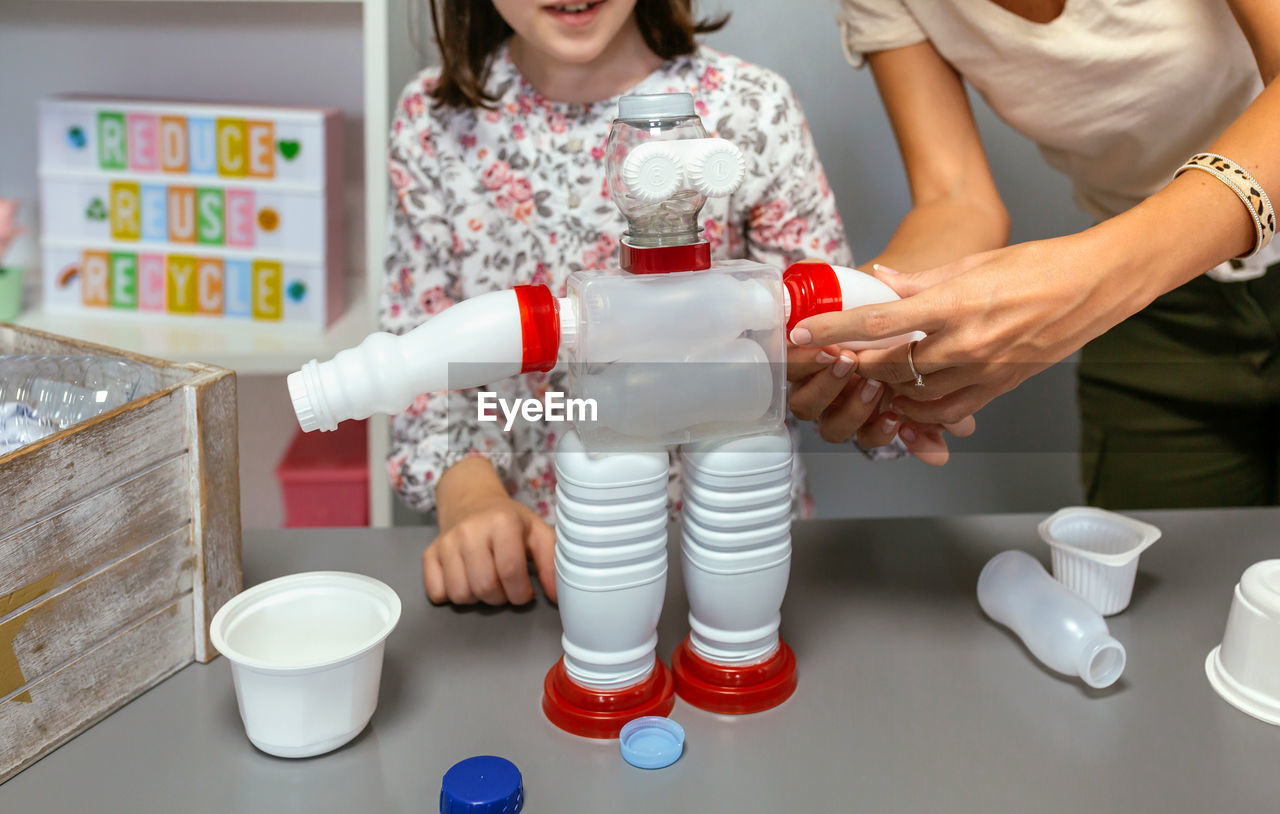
[(641, 119)]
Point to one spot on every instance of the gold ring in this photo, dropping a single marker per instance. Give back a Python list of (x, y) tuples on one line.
[(911, 363)]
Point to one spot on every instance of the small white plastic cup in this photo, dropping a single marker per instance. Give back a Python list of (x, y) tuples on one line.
[(1095, 553), (1245, 668), (306, 658)]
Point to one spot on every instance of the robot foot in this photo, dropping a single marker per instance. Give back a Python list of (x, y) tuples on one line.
[(601, 713), (734, 690)]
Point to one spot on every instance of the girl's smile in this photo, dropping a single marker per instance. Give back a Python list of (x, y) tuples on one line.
[(575, 14)]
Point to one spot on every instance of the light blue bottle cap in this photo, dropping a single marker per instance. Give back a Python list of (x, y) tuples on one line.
[(651, 742), (652, 106)]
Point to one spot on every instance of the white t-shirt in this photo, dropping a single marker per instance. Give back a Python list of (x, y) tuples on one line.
[(1116, 93)]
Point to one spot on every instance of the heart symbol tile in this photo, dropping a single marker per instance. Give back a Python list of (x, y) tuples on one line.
[(289, 149), (297, 290)]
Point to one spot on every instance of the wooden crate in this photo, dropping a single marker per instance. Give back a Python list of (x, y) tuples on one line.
[(119, 540)]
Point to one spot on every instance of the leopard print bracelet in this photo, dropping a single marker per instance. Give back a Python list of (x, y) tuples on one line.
[(1243, 185)]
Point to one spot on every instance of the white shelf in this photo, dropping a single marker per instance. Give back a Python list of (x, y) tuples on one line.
[(241, 346), (388, 31)]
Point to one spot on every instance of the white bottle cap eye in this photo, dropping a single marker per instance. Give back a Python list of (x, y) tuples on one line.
[(652, 172), (716, 167)]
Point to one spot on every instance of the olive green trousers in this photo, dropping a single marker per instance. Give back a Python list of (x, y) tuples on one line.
[(1180, 404)]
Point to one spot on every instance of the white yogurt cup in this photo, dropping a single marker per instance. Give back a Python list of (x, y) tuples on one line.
[(1245, 668), (1095, 553), (306, 657)]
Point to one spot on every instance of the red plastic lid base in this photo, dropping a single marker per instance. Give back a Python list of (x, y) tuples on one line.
[(734, 690), (665, 259), (601, 713)]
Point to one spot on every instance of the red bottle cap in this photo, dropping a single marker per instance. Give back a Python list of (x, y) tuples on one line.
[(601, 713), (814, 289), (734, 690), (539, 327)]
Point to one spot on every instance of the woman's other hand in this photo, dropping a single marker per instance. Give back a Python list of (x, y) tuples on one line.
[(824, 389)]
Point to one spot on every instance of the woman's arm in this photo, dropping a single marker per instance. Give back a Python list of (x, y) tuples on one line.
[(994, 319), (791, 214), (955, 208)]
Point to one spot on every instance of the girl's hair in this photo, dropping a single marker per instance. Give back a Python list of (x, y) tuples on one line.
[(468, 32)]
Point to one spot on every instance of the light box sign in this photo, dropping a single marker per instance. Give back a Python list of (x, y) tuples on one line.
[(182, 210)]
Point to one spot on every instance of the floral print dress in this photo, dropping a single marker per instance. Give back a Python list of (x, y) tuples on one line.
[(488, 199)]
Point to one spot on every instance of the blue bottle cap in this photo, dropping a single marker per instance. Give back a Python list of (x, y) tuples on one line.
[(651, 742), (482, 785)]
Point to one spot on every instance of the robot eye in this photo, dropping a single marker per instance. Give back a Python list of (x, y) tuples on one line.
[(715, 167), (653, 172)]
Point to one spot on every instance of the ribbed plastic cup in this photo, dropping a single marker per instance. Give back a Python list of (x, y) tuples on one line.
[(1095, 553)]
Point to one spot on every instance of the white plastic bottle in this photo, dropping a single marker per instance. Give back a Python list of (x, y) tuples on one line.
[(736, 546), (611, 561), (484, 339), (1059, 627)]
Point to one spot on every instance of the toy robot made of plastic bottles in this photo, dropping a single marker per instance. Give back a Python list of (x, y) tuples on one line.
[(675, 351)]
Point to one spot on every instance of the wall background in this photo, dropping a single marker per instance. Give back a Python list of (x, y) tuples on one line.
[(1021, 459)]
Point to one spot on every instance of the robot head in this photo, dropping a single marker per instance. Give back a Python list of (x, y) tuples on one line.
[(662, 167)]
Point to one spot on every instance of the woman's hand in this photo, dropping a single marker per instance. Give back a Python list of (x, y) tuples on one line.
[(486, 540), (825, 389), (992, 319)]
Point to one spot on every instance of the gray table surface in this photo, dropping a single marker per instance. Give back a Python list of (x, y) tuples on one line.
[(909, 699)]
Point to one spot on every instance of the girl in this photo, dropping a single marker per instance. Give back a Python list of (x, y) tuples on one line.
[(497, 165)]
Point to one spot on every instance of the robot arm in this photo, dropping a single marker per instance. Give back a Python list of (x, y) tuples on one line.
[(495, 335), (505, 333)]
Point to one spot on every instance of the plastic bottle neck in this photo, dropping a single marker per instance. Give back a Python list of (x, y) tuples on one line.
[(1101, 661)]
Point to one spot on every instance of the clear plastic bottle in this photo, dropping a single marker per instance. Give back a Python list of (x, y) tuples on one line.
[(1057, 625), (40, 394)]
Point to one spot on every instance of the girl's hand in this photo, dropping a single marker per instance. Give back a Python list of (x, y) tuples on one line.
[(992, 319), (486, 540), (825, 389)]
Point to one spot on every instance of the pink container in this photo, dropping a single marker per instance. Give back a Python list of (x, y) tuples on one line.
[(324, 477)]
